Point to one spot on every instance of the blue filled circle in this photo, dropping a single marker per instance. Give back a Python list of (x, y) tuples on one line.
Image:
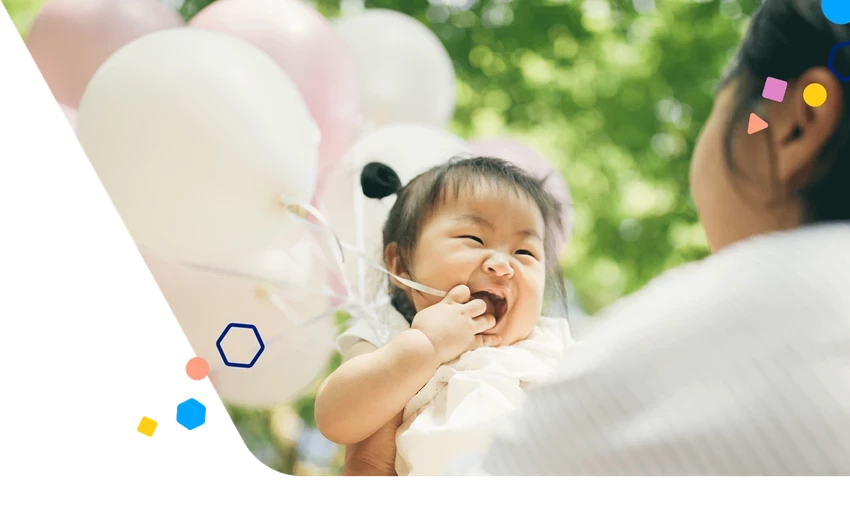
[(836, 11)]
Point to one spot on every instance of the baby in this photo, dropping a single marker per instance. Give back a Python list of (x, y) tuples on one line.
[(481, 229)]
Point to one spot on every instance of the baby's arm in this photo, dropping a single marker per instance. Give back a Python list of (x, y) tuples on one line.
[(373, 385)]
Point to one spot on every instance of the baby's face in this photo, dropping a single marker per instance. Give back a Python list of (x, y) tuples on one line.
[(491, 242)]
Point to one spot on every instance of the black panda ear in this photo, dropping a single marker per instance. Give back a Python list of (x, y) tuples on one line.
[(379, 180)]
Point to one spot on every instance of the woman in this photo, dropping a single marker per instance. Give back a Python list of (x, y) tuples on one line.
[(739, 364)]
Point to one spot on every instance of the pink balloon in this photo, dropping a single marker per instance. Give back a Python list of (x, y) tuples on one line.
[(305, 45), (538, 166), (70, 115), (70, 39)]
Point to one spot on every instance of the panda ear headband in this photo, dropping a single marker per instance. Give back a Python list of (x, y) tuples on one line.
[(379, 181)]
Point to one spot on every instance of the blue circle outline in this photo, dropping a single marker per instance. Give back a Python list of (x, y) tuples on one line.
[(224, 356)]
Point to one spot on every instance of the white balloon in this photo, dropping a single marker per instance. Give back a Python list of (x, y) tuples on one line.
[(205, 303), (195, 135), (404, 72), (409, 149)]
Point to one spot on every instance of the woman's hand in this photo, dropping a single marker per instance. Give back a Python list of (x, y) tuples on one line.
[(374, 456)]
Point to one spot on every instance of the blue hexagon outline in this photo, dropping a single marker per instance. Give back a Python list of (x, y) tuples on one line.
[(832, 53), (193, 403), (224, 356)]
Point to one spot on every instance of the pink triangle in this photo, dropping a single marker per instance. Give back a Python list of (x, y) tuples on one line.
[(756, 124)]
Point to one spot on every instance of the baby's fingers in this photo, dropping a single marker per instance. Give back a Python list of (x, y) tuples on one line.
[(484, 323), (459, 294), (476, 307), (487, 340)]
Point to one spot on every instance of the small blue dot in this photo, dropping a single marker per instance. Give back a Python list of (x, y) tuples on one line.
[(836, 11)]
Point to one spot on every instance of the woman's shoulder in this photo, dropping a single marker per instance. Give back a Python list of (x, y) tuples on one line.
[(753, 281)]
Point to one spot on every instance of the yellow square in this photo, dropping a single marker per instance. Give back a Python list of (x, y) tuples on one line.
[(147, 426)]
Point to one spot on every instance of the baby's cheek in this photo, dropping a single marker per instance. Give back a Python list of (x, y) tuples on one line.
[(532, 280), (422, 301), (456, 269)]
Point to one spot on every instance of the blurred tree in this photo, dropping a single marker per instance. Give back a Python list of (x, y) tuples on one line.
[(191, 7), (603, 88), (613, 91), (22, 12)]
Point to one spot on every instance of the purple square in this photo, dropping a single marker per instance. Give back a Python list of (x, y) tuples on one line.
[(774, 89)]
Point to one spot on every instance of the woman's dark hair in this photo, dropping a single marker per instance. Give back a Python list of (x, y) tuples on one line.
[(421, 196), (784, 40)]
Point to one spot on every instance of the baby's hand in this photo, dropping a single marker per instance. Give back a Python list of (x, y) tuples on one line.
[(454, 325)]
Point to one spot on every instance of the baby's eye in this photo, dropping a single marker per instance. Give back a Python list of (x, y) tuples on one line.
[(473, 237), (525, 252)]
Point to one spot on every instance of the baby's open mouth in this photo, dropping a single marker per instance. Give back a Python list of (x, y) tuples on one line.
[(497, 306)]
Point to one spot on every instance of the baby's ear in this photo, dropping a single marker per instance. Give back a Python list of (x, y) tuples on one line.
[(394, 265)]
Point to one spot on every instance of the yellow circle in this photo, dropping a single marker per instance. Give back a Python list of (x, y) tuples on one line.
[(814, 95)]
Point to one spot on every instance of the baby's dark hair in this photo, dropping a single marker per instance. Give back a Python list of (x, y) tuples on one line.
[(423, 195), (784, 40)]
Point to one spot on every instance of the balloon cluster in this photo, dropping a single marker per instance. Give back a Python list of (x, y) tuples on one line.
[(206, 134)]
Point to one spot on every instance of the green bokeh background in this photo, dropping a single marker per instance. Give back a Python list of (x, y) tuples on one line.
[(613, 91)]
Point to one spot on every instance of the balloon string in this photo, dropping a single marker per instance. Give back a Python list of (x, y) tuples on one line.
[(367, 309), (294, 205), (271, 341), (275, 300), (364, 308), (298, 289), (300, 209), (359, 240), (320, 254), (412, 284), (355, 306)]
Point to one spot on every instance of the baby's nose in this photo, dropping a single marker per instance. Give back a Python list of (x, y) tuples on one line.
[(499, 265)]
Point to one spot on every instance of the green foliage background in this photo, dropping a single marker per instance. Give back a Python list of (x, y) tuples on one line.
[(613, 91)]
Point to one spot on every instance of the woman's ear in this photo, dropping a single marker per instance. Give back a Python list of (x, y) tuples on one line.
[(801, 131), (394, 264)]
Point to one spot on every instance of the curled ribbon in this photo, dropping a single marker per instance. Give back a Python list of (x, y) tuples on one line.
[(273, 290), (301, 209)]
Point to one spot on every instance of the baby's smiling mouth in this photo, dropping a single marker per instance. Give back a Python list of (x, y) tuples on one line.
[(497, 306)]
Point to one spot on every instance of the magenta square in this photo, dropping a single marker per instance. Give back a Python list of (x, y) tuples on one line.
[(774, 89)]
